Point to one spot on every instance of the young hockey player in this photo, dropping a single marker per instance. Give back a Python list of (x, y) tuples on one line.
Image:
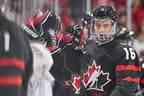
[(109, 68)]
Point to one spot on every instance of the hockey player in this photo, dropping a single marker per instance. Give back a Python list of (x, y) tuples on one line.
[(109, 68), (46, 26), (41, 82), (15, 59)]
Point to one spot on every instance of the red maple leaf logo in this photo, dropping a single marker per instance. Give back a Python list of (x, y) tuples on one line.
[(88, 75), (76, 83)]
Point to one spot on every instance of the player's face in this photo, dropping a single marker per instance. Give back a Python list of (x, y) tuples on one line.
[(101, 26)]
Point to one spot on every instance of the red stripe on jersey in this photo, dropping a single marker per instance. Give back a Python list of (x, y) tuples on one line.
[(142, 81), (128, 67), (132, 80), (10, 80), (6, 62)]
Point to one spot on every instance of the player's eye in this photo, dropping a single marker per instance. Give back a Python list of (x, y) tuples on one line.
[(97, 25), (106, 25)]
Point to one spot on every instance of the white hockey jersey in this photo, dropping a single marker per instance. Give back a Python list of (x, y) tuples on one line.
[(41, 81)]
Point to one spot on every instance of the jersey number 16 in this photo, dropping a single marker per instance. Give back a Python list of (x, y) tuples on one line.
[(130, 53)]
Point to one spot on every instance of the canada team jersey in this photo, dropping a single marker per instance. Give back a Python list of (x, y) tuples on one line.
[(108, 70)]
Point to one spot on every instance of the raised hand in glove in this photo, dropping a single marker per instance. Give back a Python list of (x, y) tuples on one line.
[(75, 30)]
